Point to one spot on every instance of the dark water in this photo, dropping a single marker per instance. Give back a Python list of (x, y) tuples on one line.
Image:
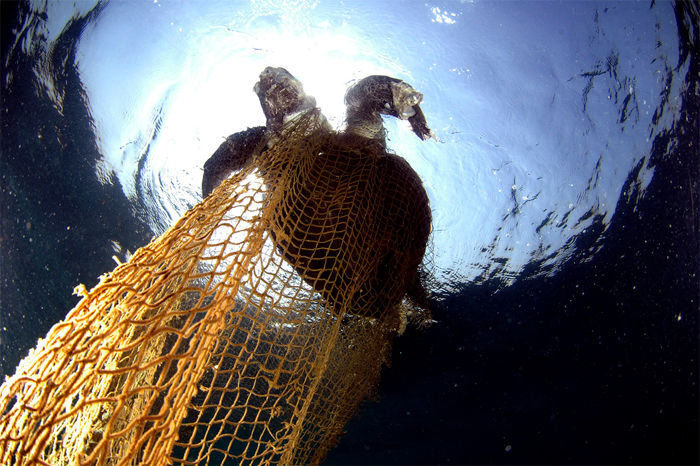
[(55, 214), (594, 363)]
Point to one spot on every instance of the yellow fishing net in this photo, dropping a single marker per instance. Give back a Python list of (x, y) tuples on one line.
[(247, 333)]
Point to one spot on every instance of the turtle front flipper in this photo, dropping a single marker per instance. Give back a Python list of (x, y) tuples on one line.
[(376, 95), (232, 155), (281, 97)]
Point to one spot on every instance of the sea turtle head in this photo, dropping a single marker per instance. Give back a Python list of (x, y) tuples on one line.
[(281, 96), (383, 95)]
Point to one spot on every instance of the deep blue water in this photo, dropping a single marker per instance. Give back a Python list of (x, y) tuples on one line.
[(563, 184)]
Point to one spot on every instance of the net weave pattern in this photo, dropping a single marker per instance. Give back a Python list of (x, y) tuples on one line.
[(247, 333)]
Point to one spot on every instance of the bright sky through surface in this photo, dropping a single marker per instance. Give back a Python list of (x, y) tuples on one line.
[(539, 123)]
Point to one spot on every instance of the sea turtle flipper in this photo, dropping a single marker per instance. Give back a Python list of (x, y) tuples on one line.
[(231, 156)]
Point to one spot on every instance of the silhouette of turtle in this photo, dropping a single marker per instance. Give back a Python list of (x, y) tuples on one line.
[(356, 222)]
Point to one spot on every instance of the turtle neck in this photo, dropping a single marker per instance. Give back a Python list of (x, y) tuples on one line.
[(366, 124)]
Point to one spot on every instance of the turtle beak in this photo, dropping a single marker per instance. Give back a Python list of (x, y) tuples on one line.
[(406, 104), (419, 125)]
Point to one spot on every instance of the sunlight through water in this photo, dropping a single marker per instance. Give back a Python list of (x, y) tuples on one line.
[(511, 180)]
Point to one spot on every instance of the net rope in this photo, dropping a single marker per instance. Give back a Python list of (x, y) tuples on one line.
[(247, 333)]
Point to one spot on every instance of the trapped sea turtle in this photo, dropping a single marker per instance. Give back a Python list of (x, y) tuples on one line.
[(354, 220)]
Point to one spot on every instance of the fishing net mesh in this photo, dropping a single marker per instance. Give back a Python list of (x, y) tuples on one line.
[(246, 333)]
